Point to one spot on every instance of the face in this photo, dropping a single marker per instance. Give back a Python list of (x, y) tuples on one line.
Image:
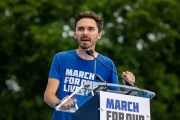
[(86, 33)]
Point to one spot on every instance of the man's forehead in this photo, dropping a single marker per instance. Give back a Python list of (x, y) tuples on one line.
[(86, 22)]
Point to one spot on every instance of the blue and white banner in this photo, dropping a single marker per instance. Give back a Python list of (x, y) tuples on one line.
[(115, 106)]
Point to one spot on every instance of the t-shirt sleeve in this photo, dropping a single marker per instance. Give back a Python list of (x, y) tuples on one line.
[(55, 68)]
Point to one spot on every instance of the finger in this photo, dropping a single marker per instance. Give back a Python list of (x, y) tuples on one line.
[(127, 72), (66, 105), (124, 74), (130, 75), (132, 80), (65, 97), (75, 100), (71, 102)]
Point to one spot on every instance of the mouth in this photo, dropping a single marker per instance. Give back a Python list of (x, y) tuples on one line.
[(85, 39)]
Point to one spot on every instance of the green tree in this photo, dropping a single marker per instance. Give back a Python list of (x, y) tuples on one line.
[(140, 36)]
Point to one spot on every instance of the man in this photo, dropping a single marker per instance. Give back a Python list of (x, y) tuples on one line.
[(71, 69)]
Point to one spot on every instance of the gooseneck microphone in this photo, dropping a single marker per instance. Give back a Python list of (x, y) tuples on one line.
[(98, 77), (91, 53)]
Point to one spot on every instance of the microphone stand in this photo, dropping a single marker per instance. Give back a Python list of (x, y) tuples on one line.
[(98, 77), (91, 53)]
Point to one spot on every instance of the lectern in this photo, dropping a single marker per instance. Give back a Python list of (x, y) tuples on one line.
[(107, 102)]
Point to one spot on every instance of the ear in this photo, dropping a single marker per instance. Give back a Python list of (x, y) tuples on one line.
[(99, 36), (74, 35)]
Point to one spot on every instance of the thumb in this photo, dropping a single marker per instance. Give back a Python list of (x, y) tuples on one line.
[(123, 74)]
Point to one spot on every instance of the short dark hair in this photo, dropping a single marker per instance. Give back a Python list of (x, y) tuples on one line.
[(89, 14)]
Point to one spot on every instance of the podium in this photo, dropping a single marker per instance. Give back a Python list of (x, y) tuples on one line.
[(107, 102)]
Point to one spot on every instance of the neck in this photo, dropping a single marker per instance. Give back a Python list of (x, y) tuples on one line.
[(82, 53)]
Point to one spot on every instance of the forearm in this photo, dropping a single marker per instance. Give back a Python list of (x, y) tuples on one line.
[(51, 99)]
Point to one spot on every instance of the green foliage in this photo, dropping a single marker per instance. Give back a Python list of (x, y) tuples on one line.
[(140, 36)]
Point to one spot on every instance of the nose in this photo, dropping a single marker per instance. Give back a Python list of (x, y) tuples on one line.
[(85, 32)]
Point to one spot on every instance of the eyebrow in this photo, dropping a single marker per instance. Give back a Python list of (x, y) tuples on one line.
[(90, 27)]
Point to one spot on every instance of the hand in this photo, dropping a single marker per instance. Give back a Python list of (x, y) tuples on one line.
[(129, 76), (70, 103)]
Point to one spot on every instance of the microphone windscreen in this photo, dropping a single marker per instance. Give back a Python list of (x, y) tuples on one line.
[(88, 52)]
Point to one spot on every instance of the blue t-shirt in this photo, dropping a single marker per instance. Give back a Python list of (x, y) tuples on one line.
[(72, 71)]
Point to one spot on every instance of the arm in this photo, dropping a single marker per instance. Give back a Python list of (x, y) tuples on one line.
[(50, 93)]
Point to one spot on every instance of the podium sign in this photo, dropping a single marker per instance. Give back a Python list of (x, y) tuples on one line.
[(123, 107)]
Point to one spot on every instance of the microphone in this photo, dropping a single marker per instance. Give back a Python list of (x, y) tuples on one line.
[(91, 53), (97, 76)]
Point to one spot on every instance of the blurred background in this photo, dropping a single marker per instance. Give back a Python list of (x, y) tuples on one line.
[(141, 36)]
